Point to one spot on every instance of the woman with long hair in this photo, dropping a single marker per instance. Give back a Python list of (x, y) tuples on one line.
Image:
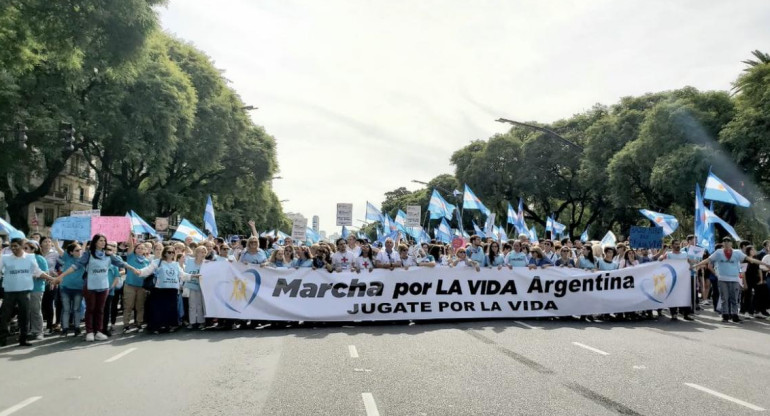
[(164, 299), (96, 263)]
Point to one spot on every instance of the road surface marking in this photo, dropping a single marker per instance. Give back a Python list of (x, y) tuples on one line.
[(369, 404), (20, 406), (639, 367), (598, 351), (353, 351), (528, 326), (121, 355), (724, 396)]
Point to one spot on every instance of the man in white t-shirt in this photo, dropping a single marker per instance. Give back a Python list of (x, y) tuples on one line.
[(343, 259), (387, 258)]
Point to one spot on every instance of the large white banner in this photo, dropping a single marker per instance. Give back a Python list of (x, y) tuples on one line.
[(240, 291)]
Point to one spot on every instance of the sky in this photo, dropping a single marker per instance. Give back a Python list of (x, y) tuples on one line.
[(364, 96)]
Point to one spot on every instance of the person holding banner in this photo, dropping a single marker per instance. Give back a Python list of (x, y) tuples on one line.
[(538, 259), (253, 253), (676, 253), (494, 258), (387, 258), (195, 306), (728, 268), (608, 261), (587, 261), (462, 257), (517, 257), (475, 252), (96, 262), (565, 258), (304, 258), (164, 300), (342, 259), (18, 270)]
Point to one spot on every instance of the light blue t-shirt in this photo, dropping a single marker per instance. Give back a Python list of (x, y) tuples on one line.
[(257, 258), (727, 270), (138, 262), (98, 270), (606, 265), (477, 254), (515, 259), (191, 267), (74, 280), (586, 264), (499, 261), (39, 284), (168, 275), (19, 272)]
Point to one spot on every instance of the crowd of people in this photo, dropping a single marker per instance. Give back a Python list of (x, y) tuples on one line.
[(52, 288)]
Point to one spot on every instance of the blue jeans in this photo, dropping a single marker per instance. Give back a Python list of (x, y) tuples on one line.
[(71, 300)]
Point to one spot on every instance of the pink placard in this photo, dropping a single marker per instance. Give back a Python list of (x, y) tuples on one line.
[(115, 228)]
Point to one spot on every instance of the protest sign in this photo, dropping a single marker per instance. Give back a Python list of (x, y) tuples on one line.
[(71, 228), (646, 237), (344, 214), (114, 228), (298, 229), (413, 214)]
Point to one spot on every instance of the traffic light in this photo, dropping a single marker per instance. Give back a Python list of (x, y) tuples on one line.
[(21, 135), (68, 136)]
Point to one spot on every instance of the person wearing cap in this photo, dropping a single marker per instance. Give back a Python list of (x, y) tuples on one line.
[(728, 266), (18, 271)]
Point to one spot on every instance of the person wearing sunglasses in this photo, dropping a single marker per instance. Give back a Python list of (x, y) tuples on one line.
[(164, 301)]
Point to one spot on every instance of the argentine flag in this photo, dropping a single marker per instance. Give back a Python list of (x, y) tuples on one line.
[(584, 236), (372, 213), (187, 229), (443, 233), (470, 201), (10, 229), (712, 218), (512, 216), (209, 221), (345, 232), (717, 190), (667, 222), (140, 226), (438, 207), (533, 234), (609, 240), (478, 230)]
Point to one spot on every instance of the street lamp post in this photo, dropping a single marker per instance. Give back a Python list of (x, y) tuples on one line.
[(543, 129), (249, 107)]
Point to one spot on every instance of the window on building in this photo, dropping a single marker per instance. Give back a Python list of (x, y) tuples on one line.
[(81, 194), (49, 216)]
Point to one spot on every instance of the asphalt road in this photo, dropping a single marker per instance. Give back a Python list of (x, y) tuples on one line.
[(502, 367)]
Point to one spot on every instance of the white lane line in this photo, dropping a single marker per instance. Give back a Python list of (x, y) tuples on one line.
[(119, 356), (528, 326), (370, 405), (598, 351), (353, 351), (20, 406), (724, 396)]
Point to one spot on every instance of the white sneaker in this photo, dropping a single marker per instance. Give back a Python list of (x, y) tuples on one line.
[(90, 337), (39, 337), (101, 337)]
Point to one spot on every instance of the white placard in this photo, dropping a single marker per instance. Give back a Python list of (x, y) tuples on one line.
[(413, 214), (298, 228), (161, 224), (88, 213), (489, 224), (344, 214)]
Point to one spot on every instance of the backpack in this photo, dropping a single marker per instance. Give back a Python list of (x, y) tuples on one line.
[(149, 282)]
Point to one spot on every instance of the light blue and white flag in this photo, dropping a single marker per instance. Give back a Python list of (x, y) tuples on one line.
[(501, 234), (609, 240), (470, 201), (554, 227), (10, 229), (311, 235), (140, 226), (372, 213), (401, 220), (667, 222), (479, 232), (584, 236), (443, 233), (281, 235), (345, 232), (209, 220), (438, 207), (717, 190), (533, 234), (187, 229), (512, 216), (712, 218)]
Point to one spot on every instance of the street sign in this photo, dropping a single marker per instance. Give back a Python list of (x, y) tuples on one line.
[(413, 214), (298, 228), (344, 214)]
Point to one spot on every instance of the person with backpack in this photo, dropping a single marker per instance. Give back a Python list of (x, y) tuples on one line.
[(96, 262)]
